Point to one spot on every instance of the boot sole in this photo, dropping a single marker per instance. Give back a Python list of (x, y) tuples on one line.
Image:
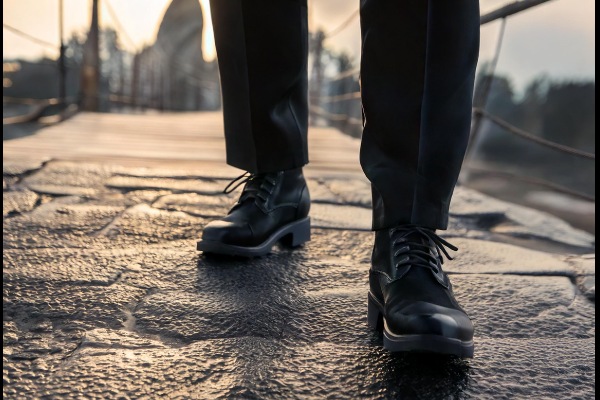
[(415, 343), (291, 235)]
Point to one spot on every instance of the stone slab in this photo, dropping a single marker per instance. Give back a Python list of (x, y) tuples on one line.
[(16, 202), (195, 204), (510, 219), (105, 296), (202, 186), (14, 167), (64, 222), (251, 367), (340, 217), (227, 306)]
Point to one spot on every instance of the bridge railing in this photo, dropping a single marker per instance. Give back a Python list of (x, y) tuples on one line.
[(321, 108)]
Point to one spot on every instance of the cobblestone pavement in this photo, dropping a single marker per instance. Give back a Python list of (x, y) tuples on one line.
[(105, 296)]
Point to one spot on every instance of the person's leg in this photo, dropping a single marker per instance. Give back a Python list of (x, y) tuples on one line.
[(418, 67), (262, 50)]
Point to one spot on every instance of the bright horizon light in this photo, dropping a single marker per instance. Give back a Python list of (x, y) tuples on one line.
[(555, 39), (40, 20)]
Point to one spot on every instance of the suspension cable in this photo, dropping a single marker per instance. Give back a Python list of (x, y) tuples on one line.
[(30, 37)]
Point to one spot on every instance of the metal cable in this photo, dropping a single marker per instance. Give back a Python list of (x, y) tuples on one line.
[(335, 117), (340, 97), (510, 9), (496, 120), (343, 25), (30, 101), (535, 181), (490, 74), (345, 74), (29, 37), (118, 25), (531, 137)]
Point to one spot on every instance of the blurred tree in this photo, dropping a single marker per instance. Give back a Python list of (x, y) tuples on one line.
[(569, 114), (494, 141), (74, 48), (563, 112), (529, 110), (333, 84), (113, 60), (343, 61)]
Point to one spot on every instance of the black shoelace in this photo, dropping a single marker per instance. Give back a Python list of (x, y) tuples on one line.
[(265, 183), (413, 246)]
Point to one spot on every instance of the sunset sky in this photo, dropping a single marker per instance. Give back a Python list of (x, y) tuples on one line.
[(556, 39)]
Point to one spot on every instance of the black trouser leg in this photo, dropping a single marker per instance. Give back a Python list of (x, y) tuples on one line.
[(262, 48), (418, 68)]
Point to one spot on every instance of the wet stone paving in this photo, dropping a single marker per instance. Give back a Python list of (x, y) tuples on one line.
[(105, 296)]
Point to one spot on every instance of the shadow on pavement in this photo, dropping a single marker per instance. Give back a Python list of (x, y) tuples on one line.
[(304, 327)]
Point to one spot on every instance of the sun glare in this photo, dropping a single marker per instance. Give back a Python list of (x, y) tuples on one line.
[(208, 39)]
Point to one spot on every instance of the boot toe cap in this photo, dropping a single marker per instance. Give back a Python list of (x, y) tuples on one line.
[(239, 234), (422, 318)]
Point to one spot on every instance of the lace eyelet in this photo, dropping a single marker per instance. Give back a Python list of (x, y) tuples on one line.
[(419, 247)]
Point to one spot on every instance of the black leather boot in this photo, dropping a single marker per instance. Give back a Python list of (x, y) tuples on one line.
[(273, 207), (410, 296)]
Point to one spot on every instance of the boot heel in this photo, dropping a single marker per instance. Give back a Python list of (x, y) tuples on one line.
[(298, 235), (374, 316)]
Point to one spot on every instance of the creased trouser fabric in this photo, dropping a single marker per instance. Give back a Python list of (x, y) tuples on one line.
[(262, 49), (417, 74)]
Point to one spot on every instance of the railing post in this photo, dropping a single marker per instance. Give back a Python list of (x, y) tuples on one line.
[(90, 71), (62, 90), (317, 72), (480, 102)]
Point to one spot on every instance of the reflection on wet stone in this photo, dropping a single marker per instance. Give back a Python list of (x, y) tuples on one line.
[(105, 296)]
